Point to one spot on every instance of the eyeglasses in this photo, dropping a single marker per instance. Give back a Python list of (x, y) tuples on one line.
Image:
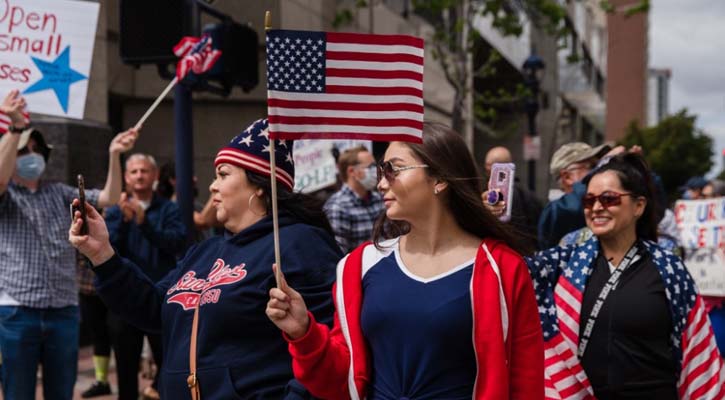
[(606, 199), (389, 171)]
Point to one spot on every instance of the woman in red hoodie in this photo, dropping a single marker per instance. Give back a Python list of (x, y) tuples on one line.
[(439, 307)]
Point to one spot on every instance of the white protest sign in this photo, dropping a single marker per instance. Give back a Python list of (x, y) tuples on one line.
[(46, 49), (701, 224), (315, 166)]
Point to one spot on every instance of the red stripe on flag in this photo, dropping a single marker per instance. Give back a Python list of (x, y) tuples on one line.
[(571, 289), (376, 137), (373, 57), (360, 38), (276, 119), (700, 370), (344, 106), (373, 74), (374, 91)]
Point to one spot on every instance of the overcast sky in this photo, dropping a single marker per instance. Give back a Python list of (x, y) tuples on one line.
[(689, 38)]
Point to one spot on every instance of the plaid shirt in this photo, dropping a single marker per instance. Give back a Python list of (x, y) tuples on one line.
[(37, 264), (351, 217)]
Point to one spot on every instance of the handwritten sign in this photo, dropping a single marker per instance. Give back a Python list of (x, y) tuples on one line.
[(315, 166), (46, 48), (701, 224)]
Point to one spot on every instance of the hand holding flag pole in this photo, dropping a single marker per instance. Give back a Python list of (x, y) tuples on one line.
[(197, 55)]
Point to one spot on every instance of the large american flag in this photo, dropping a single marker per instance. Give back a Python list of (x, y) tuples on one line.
[(5, 121), (197, 55), (344, 85), (560, 275)]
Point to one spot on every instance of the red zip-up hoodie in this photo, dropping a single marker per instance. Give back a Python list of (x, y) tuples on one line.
[(507, 338)]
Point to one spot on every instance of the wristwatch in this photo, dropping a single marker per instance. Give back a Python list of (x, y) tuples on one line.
[(17, 130)]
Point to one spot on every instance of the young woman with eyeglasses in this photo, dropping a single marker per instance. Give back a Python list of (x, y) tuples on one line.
[(621, 315), (439, 306)]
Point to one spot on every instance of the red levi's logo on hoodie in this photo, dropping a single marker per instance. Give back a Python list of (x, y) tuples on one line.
[(193, 290)]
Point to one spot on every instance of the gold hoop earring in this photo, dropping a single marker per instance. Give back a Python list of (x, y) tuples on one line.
[(249, 206)]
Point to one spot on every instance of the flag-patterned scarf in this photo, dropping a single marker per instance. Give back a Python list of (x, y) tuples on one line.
[(560, 275)]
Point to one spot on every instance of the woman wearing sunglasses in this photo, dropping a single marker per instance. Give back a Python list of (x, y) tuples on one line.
[(621, 315), (438, 307)]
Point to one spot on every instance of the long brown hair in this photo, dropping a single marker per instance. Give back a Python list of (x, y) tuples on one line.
[(449, 160)]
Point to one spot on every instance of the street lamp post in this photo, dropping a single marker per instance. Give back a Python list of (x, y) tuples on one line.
[(533, 70)]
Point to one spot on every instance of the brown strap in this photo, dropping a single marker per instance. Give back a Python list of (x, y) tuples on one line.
[(192, 380)]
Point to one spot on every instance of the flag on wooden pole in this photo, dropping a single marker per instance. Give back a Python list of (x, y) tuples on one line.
[(324, 85), (197, 55)]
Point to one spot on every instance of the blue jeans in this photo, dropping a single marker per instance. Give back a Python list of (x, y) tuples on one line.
[(32, 336)]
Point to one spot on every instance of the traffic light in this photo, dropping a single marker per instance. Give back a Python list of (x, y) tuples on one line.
[(150, 29), (239, 62)]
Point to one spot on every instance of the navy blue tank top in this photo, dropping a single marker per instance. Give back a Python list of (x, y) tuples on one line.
[(420, 332)]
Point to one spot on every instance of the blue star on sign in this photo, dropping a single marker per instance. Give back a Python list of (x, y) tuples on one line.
[(58, 76)]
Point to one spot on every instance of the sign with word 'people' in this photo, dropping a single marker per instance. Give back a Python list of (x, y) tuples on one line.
[(315, 165), (46, 49), (701, 224)]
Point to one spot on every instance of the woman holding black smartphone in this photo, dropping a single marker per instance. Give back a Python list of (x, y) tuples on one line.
[(217, 340)]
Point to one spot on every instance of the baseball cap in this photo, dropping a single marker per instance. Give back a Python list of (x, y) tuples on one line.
[(574, 152), (32, 133), (695, 183)]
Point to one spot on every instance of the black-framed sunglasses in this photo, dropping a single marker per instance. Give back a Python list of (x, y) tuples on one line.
[(606, 199), (387, 170)]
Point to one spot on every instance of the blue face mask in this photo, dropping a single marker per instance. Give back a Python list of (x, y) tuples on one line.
[(30, 166)]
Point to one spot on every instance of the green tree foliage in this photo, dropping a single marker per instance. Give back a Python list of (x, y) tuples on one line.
[(451, 19), (675, 149)]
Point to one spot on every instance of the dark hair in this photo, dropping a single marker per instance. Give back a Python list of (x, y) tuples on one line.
[(449, 160), (635, 177), (304, 208), (167, 172)]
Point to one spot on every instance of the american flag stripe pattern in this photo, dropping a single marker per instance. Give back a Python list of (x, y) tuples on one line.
[(344, 85), (5, 121), (197, 55), (560, 275), (702, 373)]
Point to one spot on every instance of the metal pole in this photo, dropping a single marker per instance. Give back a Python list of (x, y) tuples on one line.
[(532, 163), (468, 115), (184, 142), (184, 156)]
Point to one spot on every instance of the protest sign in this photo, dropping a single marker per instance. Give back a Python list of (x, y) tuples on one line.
[(315, 166), (46, 49), (701, 224)]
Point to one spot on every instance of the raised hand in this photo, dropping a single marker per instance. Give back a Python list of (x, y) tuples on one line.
[(13, 105), (123, 142), (95, 245), (286, 308), (498, 207)]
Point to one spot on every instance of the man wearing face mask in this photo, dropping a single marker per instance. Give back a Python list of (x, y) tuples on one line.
[(39, 317), (353, 209)]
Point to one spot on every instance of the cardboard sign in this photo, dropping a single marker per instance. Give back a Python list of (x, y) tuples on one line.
[(701, 224), (315, 166), (46, 48)]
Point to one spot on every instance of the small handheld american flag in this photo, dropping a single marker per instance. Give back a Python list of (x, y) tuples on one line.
[(197, 55), (5, 121), (344, 85)]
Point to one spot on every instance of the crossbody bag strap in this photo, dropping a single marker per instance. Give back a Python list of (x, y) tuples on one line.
[(192, 380), (603, 294)]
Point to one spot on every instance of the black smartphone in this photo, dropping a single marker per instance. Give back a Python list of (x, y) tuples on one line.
[(82, 203)]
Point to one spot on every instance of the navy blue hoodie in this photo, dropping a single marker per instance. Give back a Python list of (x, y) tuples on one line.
[(240, 353)]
